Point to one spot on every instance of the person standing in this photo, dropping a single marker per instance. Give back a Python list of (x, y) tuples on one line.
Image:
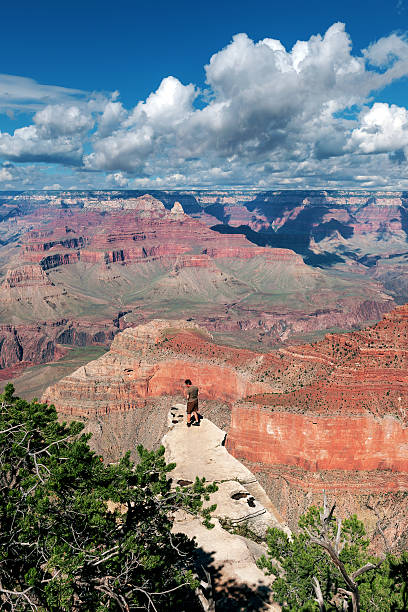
[(192, 403)]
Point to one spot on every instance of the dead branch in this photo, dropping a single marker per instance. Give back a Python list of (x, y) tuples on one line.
[(318, 593)]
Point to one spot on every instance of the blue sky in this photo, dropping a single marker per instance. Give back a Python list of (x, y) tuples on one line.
[(96, 94)]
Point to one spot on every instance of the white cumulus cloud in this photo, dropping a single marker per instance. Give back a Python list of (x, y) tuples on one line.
[(56, 135), (383, 128), (268, 116), (5, 175), (54, 187)]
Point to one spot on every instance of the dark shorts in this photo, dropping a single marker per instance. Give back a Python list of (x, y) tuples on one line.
[(192, 406)]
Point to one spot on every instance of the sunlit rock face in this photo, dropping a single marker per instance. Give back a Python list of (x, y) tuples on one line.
[(153, 360), (350, 415), (339, 404), (330, 415)]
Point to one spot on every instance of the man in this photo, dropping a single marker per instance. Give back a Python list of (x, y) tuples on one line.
[(191, 393)]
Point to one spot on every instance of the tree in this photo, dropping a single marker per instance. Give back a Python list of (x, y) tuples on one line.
[(326, 567), (78, 535)]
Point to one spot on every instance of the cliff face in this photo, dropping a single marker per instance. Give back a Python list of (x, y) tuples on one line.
[(345, 410), (339, 404), (23, 345), (153, 360), (319, 442), (330, 415)]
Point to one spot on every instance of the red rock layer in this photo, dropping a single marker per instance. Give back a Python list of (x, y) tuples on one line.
[(339, 404), (318, 442), (345, 409), (133, 235), (153, 360)]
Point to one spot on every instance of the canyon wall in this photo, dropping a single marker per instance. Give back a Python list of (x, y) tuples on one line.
[(23, 345), (144, 229), (350, 415), (28, 344), (329, 415), (152, 360), (339, 404), (316, 442)]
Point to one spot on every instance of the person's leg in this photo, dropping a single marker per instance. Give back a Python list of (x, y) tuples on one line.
[(188, 415), (195, 414)]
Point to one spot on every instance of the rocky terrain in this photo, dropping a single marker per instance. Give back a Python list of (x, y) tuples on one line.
[(328, 415), (232, 581), (116, 262), (23, 345)]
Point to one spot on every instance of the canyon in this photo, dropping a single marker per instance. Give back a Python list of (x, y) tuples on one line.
[(24, 345), (94, 260), (329, 415), (246, 293)]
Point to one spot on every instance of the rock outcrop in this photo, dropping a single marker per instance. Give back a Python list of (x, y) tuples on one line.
[(28, 294), (345, 397), (153, 360), (241, 501), (327, 415), (177, 209), (348, 406), (25, 276), (340, 423)]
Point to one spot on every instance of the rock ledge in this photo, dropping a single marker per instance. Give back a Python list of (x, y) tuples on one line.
[(237, 582)]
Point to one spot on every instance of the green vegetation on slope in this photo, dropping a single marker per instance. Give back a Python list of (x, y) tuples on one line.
[(78, 535), (327, 567)]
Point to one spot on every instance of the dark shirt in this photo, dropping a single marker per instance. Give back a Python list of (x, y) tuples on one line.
[(192, 393)]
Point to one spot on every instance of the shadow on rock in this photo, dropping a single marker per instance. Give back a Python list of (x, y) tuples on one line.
[(226, 594)]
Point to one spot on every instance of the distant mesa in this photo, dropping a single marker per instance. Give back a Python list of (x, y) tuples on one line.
[(147, 205)]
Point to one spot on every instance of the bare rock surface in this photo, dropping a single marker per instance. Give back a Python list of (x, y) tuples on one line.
[(237, 582)]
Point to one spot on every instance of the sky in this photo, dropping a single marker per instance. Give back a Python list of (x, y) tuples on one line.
[(173, 95)]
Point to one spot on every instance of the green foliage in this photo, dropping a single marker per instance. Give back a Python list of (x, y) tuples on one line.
[(296, 561), (78, 535)]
